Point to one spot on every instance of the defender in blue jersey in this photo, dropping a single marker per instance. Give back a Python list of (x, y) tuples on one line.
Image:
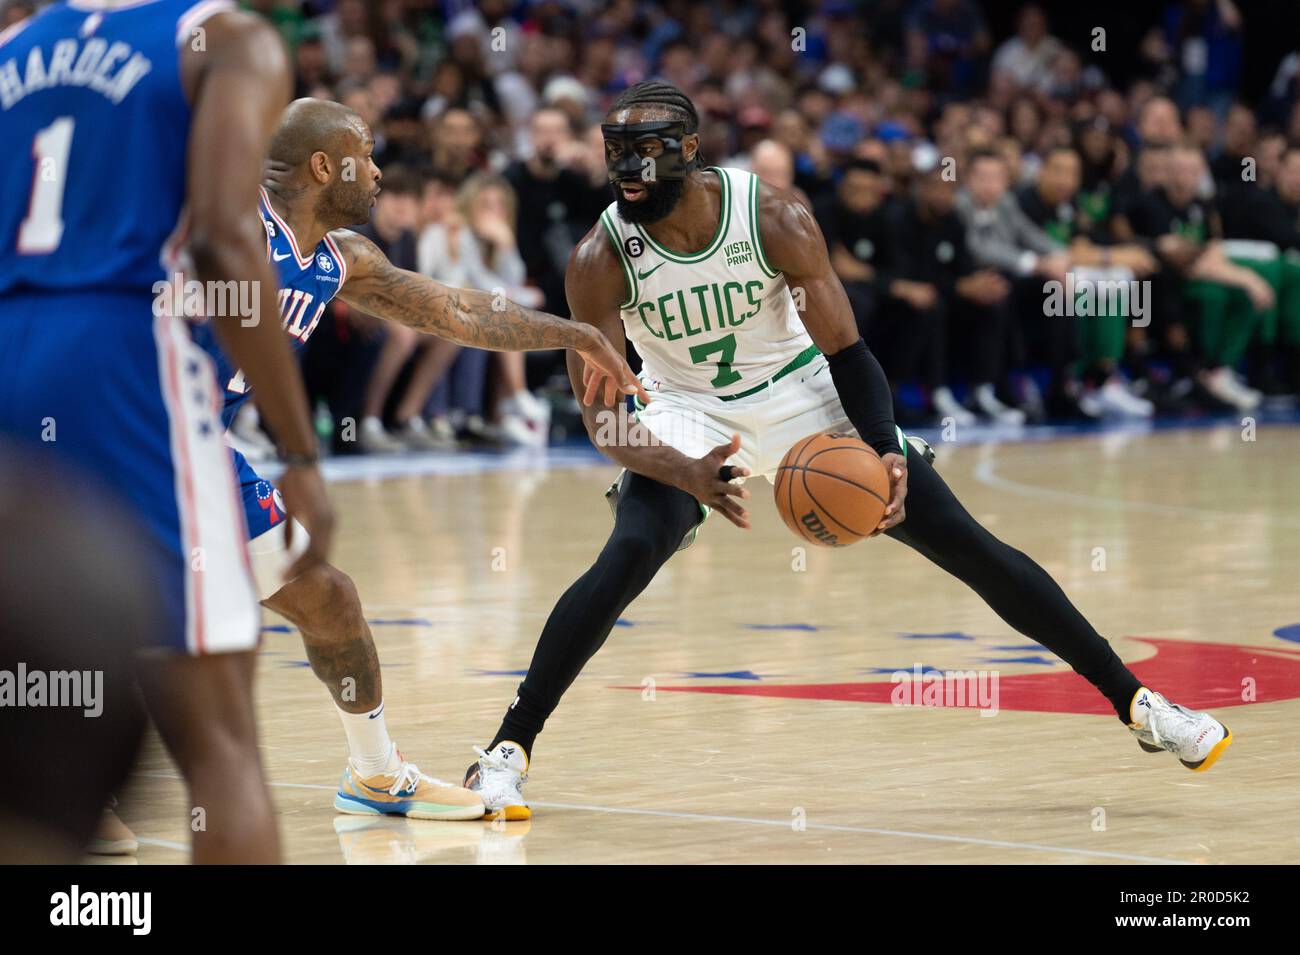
[(112, 119), (320, 180)]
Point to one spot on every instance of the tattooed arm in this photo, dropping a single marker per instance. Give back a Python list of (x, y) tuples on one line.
[(474, 318)]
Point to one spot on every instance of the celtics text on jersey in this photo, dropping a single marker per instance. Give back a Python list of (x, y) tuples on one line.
[(720, 321)]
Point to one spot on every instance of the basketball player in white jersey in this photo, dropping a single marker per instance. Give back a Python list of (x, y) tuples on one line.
[(701, 269)]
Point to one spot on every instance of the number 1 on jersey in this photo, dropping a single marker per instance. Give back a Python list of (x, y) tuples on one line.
[(42, 230), (727, 346)]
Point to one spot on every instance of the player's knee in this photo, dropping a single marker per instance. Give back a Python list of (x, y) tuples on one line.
[(322, 597), (334, 596), (335, 590), (643, 546), (972, 553)]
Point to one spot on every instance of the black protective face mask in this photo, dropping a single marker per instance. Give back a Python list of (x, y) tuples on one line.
[(650, 154), (647, 152)]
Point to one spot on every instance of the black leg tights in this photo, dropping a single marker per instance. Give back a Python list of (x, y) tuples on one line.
[(1016, 588), (653, 518), (651, 521)]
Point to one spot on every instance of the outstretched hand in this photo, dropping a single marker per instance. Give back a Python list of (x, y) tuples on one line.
[(605, 369)]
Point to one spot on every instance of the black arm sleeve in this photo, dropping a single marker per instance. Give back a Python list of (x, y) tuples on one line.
[(864, 393)]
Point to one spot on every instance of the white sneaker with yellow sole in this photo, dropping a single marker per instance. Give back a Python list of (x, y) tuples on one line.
[(498, 778), (1197, 739)]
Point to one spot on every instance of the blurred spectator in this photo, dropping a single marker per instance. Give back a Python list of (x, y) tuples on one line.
[(773, 163), (564, 192), (947, 40), (1205, 38), (970, 304), (1026, 58), (1184, 229), (1002, 237), (1052, 204), (468, 242), (1278, 221), (457, 138)]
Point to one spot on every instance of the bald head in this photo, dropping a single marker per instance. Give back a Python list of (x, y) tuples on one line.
[(772, 163), (321, 156), (316, 125), (1159, 123)]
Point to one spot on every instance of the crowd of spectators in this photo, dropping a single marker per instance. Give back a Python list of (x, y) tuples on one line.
[(974, 189)]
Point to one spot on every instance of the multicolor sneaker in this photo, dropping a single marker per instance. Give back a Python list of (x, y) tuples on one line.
[(498, 778), (405, 792), (1197, 739)]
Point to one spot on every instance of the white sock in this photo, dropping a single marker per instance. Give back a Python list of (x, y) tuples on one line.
[(368, 742)]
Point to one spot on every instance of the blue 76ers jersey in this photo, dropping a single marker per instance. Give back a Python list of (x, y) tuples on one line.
[(93, 126), (307, 283)]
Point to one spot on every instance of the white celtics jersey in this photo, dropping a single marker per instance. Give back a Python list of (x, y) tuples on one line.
[(719, 321)]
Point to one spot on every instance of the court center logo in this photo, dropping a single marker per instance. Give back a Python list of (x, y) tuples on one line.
[(1206, 675)]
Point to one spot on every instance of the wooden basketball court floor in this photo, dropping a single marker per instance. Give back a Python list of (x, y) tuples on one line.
[(740, 712)]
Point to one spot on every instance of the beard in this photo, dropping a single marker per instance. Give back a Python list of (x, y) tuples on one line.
[(661, 197), (345, 204)]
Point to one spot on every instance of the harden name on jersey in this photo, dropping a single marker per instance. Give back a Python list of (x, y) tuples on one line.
[(111, 69)]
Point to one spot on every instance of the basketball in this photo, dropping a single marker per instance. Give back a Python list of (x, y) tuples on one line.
[(831, 489)]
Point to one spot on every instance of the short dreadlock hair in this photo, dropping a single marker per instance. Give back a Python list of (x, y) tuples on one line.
[(651, 93)]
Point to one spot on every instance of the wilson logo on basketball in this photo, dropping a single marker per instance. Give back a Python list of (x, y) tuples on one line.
[(818, 530), (831, 490)]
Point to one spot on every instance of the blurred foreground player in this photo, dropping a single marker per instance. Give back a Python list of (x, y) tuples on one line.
[(73, 610), (696, 266), (138, 133), (322, 179)]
